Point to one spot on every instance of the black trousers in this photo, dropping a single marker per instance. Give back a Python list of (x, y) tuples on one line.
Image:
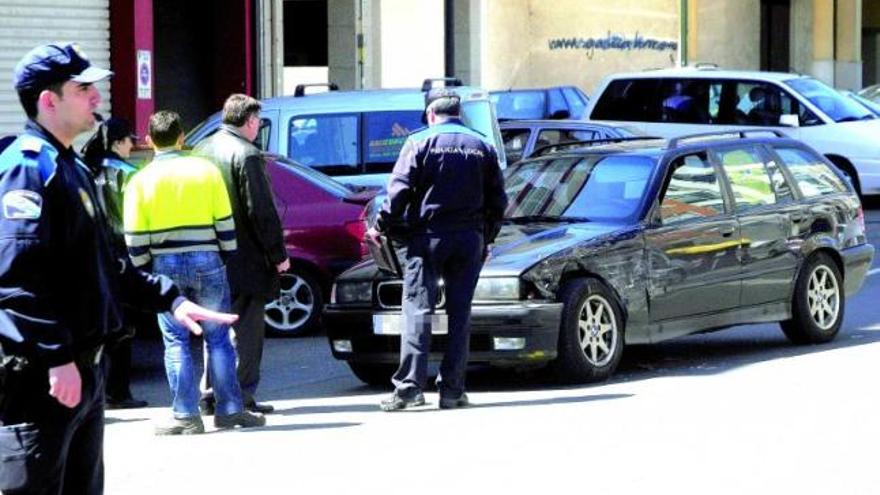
[(250, 332), (456, 257), (47, 448)]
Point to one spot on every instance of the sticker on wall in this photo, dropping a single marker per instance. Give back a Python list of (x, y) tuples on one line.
[(145, 74)]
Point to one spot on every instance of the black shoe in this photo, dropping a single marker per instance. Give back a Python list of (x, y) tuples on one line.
[(261, 408), (206, 406), (243, 419), (396, 402), (181, 426), (450, 403), (129, 403)]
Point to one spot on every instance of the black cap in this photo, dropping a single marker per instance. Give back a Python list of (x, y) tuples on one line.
[(118, 129), (59, 62)]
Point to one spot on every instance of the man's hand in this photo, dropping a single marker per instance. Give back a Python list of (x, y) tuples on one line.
[(283, 266), (65, 384), (189, 313), (372, 236)]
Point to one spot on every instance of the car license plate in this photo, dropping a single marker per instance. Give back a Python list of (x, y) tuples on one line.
[(393, 324)]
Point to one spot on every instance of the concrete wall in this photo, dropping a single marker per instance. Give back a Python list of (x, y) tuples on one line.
[(342, 52), (468, 33), (727, 33), (801, 35), (519, 50), (412, 42)]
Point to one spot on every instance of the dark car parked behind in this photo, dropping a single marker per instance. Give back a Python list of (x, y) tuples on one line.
[(639, 242), (523, 137), (558, 102)]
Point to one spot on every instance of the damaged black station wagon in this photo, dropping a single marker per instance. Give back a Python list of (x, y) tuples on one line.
[(639, 241)]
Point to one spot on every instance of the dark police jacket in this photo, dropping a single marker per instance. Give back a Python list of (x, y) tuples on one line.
[(251, 269), (61, 282), (446, 179)]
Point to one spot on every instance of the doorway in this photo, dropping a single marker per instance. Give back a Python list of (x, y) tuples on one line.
[(775, 35)]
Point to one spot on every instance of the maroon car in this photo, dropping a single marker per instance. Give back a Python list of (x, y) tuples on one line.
[(323, 222)]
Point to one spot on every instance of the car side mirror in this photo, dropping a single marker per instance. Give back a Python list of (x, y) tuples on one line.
[(789, 120)]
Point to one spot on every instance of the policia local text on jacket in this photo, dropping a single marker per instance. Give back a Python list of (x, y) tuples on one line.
[(61, 287)]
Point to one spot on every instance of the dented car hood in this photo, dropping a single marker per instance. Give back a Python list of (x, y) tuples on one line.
[(518, 247)]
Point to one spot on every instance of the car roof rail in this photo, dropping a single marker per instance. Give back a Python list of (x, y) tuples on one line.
[(552, 148), (448, 82), (300, 89), (708, 136), (706, 66)]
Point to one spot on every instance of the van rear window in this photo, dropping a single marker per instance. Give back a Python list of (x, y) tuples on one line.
[(632, 100), (385, 134)]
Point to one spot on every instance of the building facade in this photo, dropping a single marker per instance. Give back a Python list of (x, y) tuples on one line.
[(188, 56)]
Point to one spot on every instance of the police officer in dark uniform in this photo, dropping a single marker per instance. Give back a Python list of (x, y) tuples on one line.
[(61, 286), (446, 193)]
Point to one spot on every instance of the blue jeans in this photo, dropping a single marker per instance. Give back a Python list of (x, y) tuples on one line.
[(201, 278)]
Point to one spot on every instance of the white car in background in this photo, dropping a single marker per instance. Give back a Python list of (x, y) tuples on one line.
[(673, 102)]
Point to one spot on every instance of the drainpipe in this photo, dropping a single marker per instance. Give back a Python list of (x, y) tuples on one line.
[(683, 33), (449, 36)]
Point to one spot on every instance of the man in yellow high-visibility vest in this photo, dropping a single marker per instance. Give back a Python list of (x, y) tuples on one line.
[(178, 218)]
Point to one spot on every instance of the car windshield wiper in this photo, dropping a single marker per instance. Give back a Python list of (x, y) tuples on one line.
[(545, 218)]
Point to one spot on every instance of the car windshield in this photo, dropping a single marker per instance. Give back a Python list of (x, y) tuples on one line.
[(832, 103), (516, 105), (594, 188), (870, 105)]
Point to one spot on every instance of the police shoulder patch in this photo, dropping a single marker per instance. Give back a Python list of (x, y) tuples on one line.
[(22, 204), (31, 144)]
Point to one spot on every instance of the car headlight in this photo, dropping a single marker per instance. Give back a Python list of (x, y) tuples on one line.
[(497, 288), (352, 292)]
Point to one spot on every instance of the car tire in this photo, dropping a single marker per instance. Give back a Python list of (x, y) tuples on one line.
[(590, 334), (297, 310), (818, 302), (373, 374)]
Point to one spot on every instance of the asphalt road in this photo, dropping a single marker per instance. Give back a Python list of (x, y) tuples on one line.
[(737, 411)]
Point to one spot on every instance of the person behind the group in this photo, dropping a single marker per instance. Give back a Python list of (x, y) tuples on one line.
[(61, 287), (178, 219), (106, 155), (261, 256), (447, 190)]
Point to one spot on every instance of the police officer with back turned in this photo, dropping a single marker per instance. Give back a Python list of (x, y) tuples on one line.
[(446, 193), (61, 286)]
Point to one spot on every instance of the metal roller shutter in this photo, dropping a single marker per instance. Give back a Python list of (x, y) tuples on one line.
[(25, 24)]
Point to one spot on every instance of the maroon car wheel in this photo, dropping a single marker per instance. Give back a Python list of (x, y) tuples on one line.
[(298, 308)]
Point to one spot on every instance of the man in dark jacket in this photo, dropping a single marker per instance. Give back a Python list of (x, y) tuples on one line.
[(61, 286), (447, 190), (253, 270)]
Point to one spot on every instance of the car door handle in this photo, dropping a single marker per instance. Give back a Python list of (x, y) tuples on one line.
[(797, 218), (727, 231)]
